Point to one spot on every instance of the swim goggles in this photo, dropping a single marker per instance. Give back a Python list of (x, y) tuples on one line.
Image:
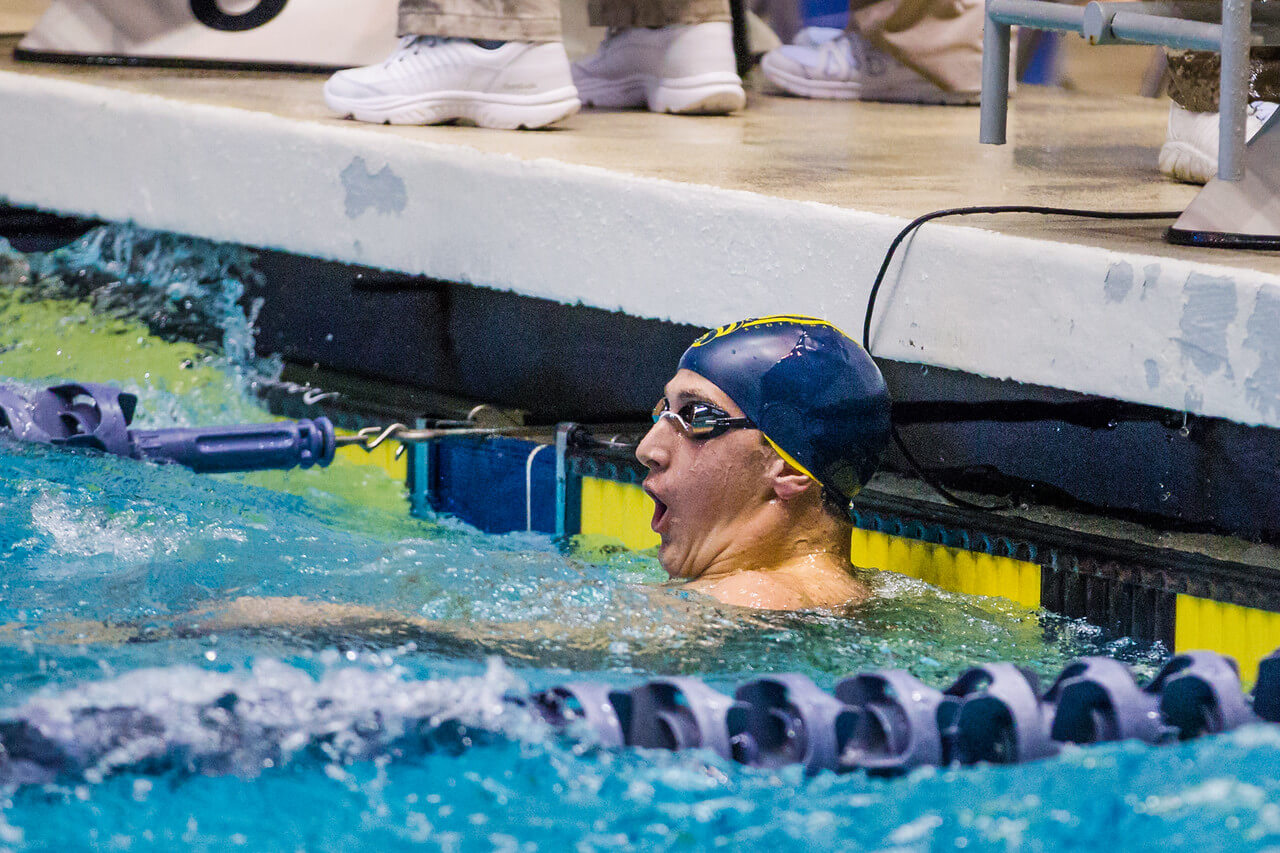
[(700, 421)]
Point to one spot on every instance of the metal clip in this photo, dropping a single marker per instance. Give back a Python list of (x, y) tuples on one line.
[(483, 419), (372, 437)]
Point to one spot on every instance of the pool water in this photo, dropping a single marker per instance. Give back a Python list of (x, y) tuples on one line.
[(289, 661)]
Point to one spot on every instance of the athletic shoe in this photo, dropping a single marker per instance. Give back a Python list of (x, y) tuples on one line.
[(847, 67), (432, 80), (1190, 150), (685, 68), (814, 36)]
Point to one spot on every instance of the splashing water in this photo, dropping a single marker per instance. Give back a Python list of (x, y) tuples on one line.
[(291, 662), (182, 288)]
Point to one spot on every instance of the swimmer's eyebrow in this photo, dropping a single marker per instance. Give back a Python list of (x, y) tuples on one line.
[(676, 401)]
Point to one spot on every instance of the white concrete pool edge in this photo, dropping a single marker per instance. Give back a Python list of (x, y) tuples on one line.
[(1143, 328)]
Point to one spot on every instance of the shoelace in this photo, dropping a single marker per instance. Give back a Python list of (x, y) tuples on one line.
[(854, 51), (839, 58), (413, 45), (858, 53)]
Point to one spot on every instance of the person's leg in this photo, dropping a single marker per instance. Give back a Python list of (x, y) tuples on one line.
[(496, 63), (1190, 151), (1194, 77), (672, 56), (624, 14), (918, 51), (500, 20), (941, 40)]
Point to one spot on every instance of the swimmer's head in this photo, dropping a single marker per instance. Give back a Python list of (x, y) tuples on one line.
[(814, 393), (762, 436)]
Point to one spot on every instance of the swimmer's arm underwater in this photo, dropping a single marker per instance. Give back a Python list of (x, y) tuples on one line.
[(355, 622), (329, 623), (334, 621)]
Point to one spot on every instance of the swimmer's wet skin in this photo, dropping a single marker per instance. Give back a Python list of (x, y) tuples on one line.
[(764, 434)]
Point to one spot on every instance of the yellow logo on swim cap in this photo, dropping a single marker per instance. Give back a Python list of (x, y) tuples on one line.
[(798, 319)]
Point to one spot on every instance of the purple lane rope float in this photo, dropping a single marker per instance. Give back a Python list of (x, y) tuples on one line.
[(889, 722)]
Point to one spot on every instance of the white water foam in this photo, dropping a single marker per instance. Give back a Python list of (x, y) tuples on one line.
[(245, 722)]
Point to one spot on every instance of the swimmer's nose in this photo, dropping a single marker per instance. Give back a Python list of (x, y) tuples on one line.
[(652, 451)]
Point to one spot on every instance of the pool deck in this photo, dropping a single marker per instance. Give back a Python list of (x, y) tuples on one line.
[(787, 207)]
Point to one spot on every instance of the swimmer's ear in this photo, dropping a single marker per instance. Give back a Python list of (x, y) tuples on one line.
[(789, 482)]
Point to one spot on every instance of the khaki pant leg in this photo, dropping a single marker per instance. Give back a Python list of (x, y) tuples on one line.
[(939, 39), (1194, 77), (508, 20), (655, 13)]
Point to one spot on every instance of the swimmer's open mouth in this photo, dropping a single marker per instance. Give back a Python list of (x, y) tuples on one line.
[(659, 511)]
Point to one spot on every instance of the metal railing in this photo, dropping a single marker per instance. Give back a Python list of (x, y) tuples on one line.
[(1228, 27)]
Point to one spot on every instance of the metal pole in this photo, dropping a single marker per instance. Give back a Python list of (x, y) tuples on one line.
[(1233, 100), (994, 100), (419, 473), (1038, 14), (562, 477), (1170, 32)]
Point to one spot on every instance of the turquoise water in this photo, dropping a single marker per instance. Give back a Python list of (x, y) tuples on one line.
[(290, 662)]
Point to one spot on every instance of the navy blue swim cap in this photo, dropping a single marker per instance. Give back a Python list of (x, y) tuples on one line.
[(815, 394)]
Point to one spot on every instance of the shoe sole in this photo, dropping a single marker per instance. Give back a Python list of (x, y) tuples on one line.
[(806, 87), (483, 109), (714, 93), (1186, 163)]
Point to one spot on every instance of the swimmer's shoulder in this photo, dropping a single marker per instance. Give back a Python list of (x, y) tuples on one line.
[(783, 590), (761, 590)]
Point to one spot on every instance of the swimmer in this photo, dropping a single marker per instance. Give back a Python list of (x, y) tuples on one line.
[(762, 437), (759, 442)]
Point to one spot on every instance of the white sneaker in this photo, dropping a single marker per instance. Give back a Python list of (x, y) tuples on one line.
[(814, 36), (432, 80), (686, 68), (1190, 150), (847, 67)]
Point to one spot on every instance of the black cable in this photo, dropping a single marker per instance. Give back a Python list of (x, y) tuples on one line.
[(966, 211)]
